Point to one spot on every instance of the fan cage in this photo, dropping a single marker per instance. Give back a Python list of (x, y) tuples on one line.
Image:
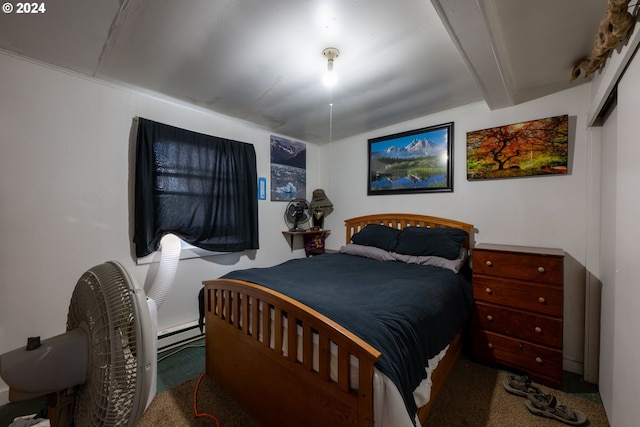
[(105, 304), (302, 222)]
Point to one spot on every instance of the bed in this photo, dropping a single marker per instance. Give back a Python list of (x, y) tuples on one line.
[(287, 364)]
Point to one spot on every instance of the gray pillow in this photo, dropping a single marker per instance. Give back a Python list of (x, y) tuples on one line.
[(454, 265), (367, 252)]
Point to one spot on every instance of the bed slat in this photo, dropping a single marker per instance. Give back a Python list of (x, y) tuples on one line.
[(292, 338), (266, 323), (245, 315), (343, 370), (324, 354), (307, 347), (277, 329), (255, 318)]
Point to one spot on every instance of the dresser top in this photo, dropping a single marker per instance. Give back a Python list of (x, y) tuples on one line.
[(520, 249)]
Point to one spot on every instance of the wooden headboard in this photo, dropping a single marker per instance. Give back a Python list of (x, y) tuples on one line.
[(401, 221)]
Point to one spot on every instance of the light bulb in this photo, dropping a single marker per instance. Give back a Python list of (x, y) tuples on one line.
[(330, 78)]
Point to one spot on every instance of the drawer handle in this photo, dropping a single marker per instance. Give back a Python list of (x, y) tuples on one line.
[(489, 317), (538, 329), (538, 360), (490, 345), (540, 269), (541, 300), (489, 263), (488, 290)]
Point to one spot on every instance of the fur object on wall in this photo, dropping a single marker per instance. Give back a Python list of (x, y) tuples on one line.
[(614, 26)]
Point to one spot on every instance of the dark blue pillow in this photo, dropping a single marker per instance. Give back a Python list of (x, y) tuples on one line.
[(379, 236), (421, 241)]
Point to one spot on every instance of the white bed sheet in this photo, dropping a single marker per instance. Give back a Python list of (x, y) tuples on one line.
[(388, 405)]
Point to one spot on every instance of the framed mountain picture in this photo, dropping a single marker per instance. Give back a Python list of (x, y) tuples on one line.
[(418, 161)]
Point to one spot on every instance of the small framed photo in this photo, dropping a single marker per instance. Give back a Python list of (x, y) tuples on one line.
[(418, 161)]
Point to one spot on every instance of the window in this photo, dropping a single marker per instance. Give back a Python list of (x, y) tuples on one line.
[(199, 187)]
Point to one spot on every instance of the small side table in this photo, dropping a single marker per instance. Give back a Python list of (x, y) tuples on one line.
[(313, 240)]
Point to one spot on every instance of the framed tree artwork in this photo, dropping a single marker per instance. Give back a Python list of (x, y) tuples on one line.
[(536, 147), (418, 161)]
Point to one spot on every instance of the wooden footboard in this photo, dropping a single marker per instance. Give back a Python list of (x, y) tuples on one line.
[(273, 387)]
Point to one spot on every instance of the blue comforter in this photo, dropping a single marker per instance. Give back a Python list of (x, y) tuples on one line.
[(408, 312)]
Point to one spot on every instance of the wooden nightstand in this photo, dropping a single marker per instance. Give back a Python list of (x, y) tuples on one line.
[(517, 315)]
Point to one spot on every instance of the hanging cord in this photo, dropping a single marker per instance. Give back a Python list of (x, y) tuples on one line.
[(195, 405), (332, 151), (330, 122)]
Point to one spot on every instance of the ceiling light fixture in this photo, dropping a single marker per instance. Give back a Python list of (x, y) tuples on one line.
[(330, 78)]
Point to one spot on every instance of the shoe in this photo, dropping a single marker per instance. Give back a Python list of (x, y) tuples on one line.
[(520, 385), (546, 405)]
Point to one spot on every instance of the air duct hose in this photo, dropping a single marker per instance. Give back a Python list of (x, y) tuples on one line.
[(170, 246)]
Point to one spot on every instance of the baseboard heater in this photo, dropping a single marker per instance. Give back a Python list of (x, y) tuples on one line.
[(178, 336)]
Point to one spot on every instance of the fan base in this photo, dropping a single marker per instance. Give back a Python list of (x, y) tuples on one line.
[(60, 407)]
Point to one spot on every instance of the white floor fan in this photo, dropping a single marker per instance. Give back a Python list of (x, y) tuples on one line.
[(102, 371)]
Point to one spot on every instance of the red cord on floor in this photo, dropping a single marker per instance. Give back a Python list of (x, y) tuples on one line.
[(195, 406)]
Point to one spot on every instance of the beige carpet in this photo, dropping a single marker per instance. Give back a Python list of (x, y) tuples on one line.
[(473, 396), (175, 407)]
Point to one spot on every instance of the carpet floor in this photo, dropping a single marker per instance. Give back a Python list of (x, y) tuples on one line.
[(473, 396)]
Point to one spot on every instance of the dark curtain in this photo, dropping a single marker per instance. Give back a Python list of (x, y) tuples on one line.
[(199, 187)]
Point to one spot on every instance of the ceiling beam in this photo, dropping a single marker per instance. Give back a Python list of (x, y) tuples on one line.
[(470, 31)]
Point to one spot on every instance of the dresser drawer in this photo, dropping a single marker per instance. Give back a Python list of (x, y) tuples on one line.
[(516, 265), (541, 363), (518, 324), (546, 299)]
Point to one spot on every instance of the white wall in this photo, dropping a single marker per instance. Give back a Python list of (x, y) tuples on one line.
[(547, 211), (65, 196), (608, 261), (620, 376)]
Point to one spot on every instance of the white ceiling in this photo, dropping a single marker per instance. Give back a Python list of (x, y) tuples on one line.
[(261, 60)]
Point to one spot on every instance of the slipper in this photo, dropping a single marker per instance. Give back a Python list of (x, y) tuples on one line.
[(520, 385), (546, 405)]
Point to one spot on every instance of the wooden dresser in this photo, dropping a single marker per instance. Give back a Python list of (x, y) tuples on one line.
[(517, 316)]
